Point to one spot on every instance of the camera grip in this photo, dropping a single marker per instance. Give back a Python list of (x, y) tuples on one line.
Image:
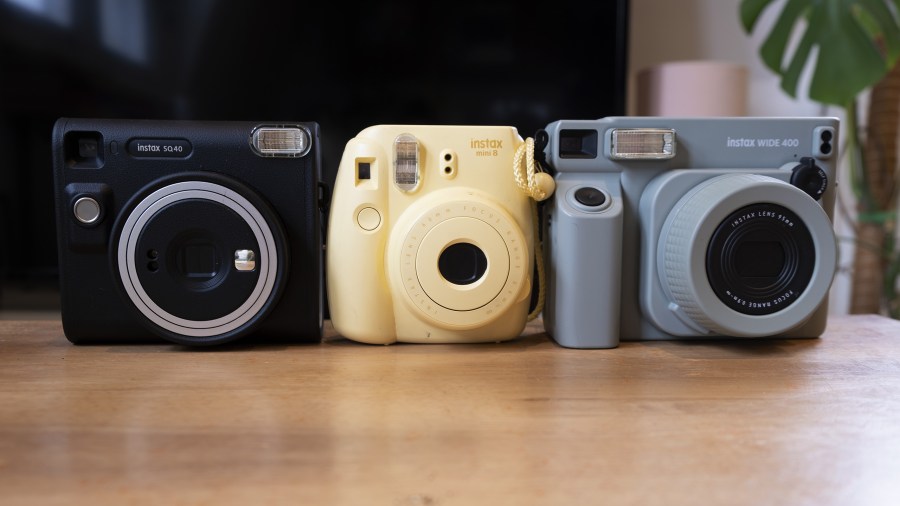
[(360, 304), (585, 264)]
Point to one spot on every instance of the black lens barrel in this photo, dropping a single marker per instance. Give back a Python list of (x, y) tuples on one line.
[(760, 259)]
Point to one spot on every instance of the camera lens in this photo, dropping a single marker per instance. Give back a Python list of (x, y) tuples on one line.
[(746, 255), (760, 259), (216, 260), (196, 279), (462, 263)]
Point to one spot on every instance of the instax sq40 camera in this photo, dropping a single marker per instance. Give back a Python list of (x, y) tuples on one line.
[(429, 238), (673, 228), (198, 233)]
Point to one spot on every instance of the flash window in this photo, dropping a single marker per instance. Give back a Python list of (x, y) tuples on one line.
[(280, 141), (642, 144)]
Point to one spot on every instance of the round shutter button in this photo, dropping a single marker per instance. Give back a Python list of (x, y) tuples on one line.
[(590, 197), (86, 210)]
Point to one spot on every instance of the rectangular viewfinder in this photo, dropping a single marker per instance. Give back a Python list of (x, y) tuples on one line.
[(363, 170), (578, 143), (84, 150)]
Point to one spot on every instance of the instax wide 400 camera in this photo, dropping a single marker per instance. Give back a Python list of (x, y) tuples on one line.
[(198, 233), (671, 228), (429, 238)]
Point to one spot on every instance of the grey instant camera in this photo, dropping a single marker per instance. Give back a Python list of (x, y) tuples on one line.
[(674, 228)]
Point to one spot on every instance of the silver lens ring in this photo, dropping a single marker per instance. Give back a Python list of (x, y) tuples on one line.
[(201, 190)]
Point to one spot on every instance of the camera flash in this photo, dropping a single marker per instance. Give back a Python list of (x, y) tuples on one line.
[(288, 142), (642, 144), (406, 162)]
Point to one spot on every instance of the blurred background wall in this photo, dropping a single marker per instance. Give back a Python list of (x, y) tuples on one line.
[(488, 62), (346, 67)]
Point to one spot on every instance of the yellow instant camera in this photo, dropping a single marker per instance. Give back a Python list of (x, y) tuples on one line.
[(429, 238)]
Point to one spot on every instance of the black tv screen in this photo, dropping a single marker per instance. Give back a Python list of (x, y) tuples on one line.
[(344, 66)]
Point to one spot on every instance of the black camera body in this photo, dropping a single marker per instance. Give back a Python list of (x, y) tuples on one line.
[(199, 233)]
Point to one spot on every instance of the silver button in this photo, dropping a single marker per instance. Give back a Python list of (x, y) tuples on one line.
[(86, 210)]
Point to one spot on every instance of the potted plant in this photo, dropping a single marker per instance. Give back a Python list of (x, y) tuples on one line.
[(855, 45)]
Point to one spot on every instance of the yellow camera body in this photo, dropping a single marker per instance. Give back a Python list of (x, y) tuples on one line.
[(429, 238)]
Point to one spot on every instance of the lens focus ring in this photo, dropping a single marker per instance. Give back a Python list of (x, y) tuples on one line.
[(683, 254), (187, 330), (493, 231)]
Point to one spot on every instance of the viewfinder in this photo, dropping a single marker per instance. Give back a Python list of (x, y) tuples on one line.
[(576, 143), (84, 150)]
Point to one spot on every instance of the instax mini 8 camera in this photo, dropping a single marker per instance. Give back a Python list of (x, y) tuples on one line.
[(198, 233), (672, 228), (429, 238)]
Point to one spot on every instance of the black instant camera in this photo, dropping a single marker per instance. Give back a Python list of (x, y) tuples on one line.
[(198, 233)]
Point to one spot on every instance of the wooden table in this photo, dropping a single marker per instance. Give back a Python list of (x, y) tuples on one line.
[(524, 422)]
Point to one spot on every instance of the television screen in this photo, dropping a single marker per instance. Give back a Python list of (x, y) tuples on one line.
[(345, 67)]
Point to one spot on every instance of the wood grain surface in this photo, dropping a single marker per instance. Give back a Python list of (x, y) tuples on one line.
[(760, 422)]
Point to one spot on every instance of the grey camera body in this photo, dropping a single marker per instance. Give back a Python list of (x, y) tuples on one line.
[(677, 228)]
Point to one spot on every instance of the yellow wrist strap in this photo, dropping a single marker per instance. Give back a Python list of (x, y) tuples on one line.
[(538, 185)]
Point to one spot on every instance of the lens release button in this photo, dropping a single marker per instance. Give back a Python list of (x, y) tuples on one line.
[(590, 197), (86, 210)]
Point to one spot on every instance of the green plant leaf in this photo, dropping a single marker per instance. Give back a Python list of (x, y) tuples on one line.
[(887, 24), (791, 76), (775, 45), (848, 62), (750, 12), (854, 43)]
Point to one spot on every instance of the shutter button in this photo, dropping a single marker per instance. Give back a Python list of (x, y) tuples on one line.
[(590, 197)]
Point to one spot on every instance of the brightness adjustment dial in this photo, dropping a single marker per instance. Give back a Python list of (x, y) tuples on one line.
[(810, 178)]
